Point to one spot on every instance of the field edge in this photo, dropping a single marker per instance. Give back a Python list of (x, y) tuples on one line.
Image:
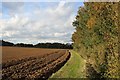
[(74, 68)]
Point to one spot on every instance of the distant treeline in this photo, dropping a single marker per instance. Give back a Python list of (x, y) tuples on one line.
[(39, 45)]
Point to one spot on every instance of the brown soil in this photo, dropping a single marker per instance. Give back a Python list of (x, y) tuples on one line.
[(30, 66), (12, 53)]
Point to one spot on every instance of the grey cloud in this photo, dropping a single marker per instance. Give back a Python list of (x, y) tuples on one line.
[(12, 5)]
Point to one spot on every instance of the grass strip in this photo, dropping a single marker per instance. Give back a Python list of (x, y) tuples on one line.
[(74, 68)]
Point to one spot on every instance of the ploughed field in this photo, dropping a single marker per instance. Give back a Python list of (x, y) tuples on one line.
[(31, 63)]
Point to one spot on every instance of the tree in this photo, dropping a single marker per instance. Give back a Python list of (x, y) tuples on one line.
[(96, 36)]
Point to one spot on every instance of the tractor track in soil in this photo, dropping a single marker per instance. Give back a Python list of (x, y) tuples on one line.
[(35, 67)]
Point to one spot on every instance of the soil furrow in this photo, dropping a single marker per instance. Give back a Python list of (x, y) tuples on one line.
[(35, 67)]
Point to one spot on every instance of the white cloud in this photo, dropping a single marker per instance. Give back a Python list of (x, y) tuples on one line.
[(1, 14), (52, 24), (59, 34)]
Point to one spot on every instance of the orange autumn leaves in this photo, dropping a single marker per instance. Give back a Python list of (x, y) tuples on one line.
[(91, 22), (94, 7)]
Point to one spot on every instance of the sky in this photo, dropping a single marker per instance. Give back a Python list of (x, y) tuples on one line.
[(35, 22)]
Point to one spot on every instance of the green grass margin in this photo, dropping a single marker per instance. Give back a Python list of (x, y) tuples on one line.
[(74, 68)]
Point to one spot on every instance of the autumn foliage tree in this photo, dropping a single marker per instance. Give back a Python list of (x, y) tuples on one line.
[(96, 37)]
